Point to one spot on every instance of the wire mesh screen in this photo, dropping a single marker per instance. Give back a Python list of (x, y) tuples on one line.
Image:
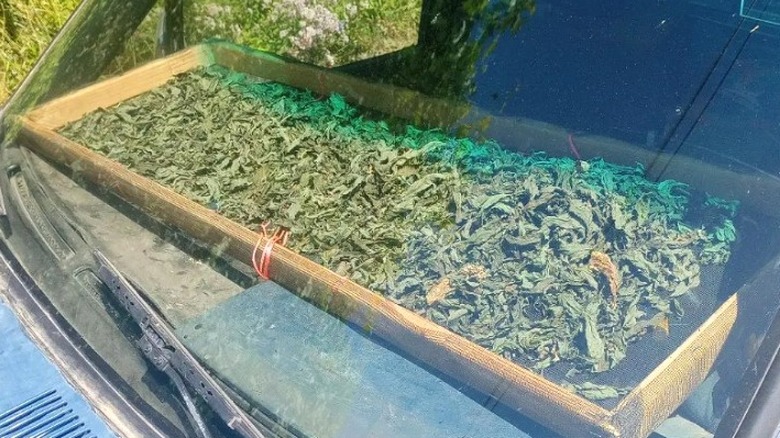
[(645, 355)]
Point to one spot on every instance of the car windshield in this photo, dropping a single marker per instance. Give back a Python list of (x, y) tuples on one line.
[(416, 218)]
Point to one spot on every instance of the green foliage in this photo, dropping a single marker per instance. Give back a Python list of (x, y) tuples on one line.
[(497, 246), (454, 36), (728, 207), (326, 32), (26, 27)]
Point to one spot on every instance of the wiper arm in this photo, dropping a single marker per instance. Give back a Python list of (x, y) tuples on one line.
[(161, 347)]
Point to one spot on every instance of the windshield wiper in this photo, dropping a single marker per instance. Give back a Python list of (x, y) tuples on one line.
[(161, 347)]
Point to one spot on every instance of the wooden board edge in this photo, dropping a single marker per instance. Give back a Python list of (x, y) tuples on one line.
[(702, 348), (523, 390), (384, 98), (73, 106)]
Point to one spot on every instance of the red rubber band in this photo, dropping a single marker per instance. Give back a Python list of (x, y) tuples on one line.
[(265, 258), (280, 236), (263, 235)]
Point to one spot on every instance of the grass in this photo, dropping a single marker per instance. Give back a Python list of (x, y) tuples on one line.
[(26, 28), (368, 28)]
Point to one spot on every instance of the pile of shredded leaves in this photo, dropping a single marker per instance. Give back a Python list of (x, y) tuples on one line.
[(536, 258)]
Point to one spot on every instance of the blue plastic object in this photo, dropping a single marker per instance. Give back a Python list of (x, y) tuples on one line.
[(35, 399), (45, 415)]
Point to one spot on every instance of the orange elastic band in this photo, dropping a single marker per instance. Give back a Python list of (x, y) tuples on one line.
[(280, 236)]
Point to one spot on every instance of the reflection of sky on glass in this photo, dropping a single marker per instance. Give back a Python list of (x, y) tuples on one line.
[(740, 122), (617, 69)]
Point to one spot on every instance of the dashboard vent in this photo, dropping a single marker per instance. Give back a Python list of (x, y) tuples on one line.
[(46, 415)]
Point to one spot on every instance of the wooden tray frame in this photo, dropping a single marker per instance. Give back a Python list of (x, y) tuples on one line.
[(637, 414)]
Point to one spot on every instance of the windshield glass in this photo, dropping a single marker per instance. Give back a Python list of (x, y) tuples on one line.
[(420, 218)]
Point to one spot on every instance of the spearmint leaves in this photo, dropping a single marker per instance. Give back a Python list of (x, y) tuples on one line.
[(497, 246)]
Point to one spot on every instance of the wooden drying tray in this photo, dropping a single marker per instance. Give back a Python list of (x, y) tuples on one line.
[(638, 413)]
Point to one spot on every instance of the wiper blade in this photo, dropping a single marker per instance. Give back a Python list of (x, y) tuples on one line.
[(161, 347)]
